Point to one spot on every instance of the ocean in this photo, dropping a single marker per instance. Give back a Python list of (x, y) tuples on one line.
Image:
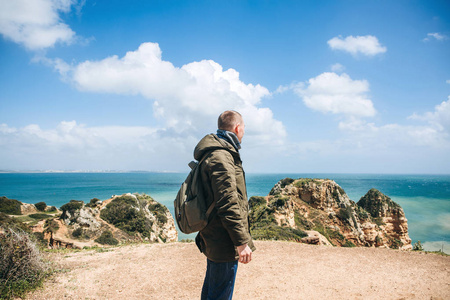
[(424, 198)]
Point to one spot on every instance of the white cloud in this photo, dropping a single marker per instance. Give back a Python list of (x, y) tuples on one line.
[(439, 118), (187, 99), (75, 146), (337, 94), (35, 24), (448, 81), (337, 67), (436, 36), (433, 135), (366, 45)]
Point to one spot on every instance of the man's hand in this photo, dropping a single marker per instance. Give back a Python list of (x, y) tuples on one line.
[(245, 254)]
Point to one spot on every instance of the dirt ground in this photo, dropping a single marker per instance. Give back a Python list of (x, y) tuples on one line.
[(279, 270)]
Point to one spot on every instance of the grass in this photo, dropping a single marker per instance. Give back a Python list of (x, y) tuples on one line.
[(256, 201), (301, 221), (437, 252), (274, 232), (348, 244), (22, 268), (40, 216)]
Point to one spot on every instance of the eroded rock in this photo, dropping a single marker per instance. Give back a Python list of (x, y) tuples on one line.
[(323, 206)]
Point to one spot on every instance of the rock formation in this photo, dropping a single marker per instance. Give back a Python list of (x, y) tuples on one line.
[(321, 208), (27, 209), (129, 217)]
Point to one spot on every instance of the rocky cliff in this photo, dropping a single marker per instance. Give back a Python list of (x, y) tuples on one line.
[(319, 211), (129, 217)]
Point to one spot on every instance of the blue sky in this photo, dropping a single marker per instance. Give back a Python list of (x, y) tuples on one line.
[(324, 86)]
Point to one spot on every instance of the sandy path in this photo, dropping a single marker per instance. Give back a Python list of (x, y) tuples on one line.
[(280, 270)]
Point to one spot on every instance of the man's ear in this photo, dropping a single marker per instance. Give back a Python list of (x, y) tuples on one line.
[(237, 128)]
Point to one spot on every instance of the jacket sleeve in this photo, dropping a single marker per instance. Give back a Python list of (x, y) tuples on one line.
[(223, 182)]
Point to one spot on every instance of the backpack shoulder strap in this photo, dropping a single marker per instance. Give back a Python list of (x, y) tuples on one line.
[(211, 207)]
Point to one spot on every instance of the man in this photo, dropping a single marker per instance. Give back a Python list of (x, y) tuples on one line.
[(226, 239)]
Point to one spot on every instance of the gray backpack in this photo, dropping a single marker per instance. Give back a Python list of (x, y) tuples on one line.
[(191, 211)]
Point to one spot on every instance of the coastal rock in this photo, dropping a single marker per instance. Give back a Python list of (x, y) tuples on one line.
[(129, 217), (390, 218), (85, 217), (159, 225), (322, 206), (315, 238), (27, 209)]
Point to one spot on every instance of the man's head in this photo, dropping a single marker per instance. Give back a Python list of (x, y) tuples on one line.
[(231, 120)]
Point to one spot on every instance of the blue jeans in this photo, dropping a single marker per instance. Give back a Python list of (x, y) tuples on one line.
[(219, 280)]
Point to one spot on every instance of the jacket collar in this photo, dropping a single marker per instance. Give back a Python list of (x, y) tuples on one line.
[(230, 137)]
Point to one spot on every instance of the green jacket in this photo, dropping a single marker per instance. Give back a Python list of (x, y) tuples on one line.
[(224, 182)]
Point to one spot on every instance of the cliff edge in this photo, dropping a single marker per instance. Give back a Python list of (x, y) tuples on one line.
[(318, 211), (125, 218)]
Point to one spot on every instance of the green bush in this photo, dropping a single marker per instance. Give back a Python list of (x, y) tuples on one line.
[(279, 202), (262, 216), (286, 181), (379, 221), (93, 202), (21, 266), (187, 241), (348, 244), (41, 206), (418, 246), (302, 182), (51, 226), (378, 240), (161, 218), (72, 206), (344, 213), (107, 238), (159, 211), (10, 206), (274, 232), (126, 213), (334, 234), (301, 221), (396, 244), (256, 201), (362, 214), (77, 232), (40, 216)]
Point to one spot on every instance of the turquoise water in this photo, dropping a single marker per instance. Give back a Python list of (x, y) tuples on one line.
[(424, 198)]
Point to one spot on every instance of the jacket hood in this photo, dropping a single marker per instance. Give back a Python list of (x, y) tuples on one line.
[(212, 142)]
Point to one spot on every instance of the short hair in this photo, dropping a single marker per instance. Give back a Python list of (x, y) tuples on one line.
[(228, 119)]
